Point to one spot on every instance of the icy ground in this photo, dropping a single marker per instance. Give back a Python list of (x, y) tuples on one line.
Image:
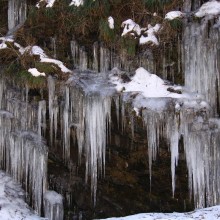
[(211, 213), (12, 205)]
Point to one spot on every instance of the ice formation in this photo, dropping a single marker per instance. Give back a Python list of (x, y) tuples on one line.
[(23, 151), (17, 10), (90, 108), (53, 206)]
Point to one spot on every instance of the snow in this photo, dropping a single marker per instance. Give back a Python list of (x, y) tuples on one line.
[(151, 35), (211, 213), (173, 15), (11, 201), (149, 85), (53, 197), (147, 35), (49, 4), (111, 22), (36, 50), (209, 8), (77, 2), (35, 72), (129, 26), (3, 41)]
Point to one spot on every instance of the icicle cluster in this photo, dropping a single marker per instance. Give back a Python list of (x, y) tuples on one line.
[(17, 10), (23, 153), (201, 61), (53, 109), (89, 115), (53, 206), (104, 59)]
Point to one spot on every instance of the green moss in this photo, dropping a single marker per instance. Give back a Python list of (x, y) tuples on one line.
[(176, 24), (130, 45), (24, 77), (106, 34)]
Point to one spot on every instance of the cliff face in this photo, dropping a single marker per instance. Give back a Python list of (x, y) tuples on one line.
[(120, 140)]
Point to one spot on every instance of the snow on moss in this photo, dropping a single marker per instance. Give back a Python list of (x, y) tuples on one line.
[(145, 35), (49, 3), (35, 72)]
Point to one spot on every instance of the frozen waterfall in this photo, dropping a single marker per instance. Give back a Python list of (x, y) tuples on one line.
[(17, 10)]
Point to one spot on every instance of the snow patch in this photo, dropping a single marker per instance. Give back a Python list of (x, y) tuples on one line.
[(77, 2), (111, 22), (146, 35), (209, 8), (173, 15), (211, 213), (12, 201), (35, 72), (49, 4)]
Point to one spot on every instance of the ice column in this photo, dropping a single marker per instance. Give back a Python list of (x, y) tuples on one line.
[(104, 59), (42, 117), (17, 10), (53, 109), (75, 52), (91, 117), (95, 57), (27, 163), (201, 60), (83, 62), (53, 206)]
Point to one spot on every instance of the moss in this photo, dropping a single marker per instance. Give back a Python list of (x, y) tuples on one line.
[(47, 68), (176, 24), (24, 77)]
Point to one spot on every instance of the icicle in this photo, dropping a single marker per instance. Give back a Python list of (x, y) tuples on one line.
[(75, 52), (42, 117), (201, 72), (17, 10), (153, 122), (27, 163), (53, 109), (66, 129), (104, 59), (96, 116), (83, 62), (54, 47), (1, 93), (53, 206), (173, 135), (95, 57)]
